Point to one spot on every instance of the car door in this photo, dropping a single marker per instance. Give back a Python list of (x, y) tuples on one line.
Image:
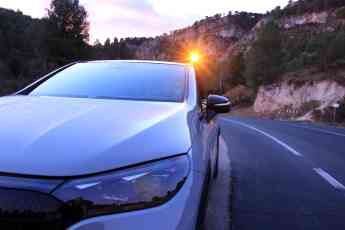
[(210, 137)]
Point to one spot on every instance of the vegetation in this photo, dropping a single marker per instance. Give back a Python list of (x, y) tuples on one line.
[(276, 52), (322, 50), (232, 70), (335, 51), (245, 20), (116, 49), (307, 107), (68, 31), (263, 61), (331, 115), (341, 13), (33, 47), (310, 6), (23, 50)]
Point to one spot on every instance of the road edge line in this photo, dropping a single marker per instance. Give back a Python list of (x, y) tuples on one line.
[(319, 130), (330, 179), (281, 143)]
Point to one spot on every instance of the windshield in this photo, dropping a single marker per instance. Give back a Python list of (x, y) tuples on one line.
[(117, 80)]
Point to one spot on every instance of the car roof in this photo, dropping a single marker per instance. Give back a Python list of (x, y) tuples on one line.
[(140, 61)]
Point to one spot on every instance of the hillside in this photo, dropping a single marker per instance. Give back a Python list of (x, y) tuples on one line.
[(211, 36), (257, 59), (265, 59), (31, 47), (20, 51)]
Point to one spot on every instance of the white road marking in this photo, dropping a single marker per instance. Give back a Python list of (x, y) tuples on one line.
[(320, 130), (292, 150), (336, 184)]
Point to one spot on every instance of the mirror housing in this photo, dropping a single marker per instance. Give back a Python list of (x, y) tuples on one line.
[(218, 104)]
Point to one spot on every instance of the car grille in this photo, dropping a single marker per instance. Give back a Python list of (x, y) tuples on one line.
[(30, 210)]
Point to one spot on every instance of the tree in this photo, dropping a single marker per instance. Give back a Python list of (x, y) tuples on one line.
[(336, 49), (232, 71), (97, 43), (115, 49), (124, 50), (263, 61), (69, 30), (3, 48), (107, 44), (340, 13), (107, 49), (277, 12)]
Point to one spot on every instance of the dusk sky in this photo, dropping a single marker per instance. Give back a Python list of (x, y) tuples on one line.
[(129, 18)]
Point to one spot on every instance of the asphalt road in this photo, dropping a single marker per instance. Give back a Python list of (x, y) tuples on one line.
[(285, 175)]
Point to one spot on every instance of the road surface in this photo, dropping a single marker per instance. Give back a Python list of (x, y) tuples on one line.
[(285, 175), (217, 215)]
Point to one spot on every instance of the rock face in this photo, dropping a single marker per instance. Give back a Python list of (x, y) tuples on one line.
[(240, 94), (313, 18), (150, 50), (213, 35), (220, 35), (294, 96), (213, 26), (279, 96)]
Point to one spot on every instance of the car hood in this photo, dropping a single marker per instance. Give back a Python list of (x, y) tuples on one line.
[(51, 136)]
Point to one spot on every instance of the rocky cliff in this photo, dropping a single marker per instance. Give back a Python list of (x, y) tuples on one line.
[(221, 37), (303, 93), (212, 35), (287, 95)]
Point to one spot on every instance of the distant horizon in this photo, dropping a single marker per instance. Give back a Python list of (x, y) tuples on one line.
[(147, 18)]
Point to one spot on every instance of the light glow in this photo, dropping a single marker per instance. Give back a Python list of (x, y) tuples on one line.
[(194, 57)]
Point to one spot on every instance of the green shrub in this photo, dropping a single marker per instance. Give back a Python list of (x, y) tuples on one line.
[(241, 95), (308, 106), (336, 49), (263, 61), (232, 70), (327, 114), (341, 111), (295, 64), (340, 13)]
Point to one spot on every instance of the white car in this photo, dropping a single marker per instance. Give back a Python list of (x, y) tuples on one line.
[(107, 145)]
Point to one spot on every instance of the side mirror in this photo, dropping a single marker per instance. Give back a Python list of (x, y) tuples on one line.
[(218, 104)]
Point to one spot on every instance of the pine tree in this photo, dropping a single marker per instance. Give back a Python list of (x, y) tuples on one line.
[(263, 61), (107, 44), (234, 70), (336, 49), (69, 30), (115, 54)]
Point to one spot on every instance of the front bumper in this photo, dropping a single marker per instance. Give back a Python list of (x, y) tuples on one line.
[(180, 213)]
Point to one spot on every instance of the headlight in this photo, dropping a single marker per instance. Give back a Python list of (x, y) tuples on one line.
[(132, 189)]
